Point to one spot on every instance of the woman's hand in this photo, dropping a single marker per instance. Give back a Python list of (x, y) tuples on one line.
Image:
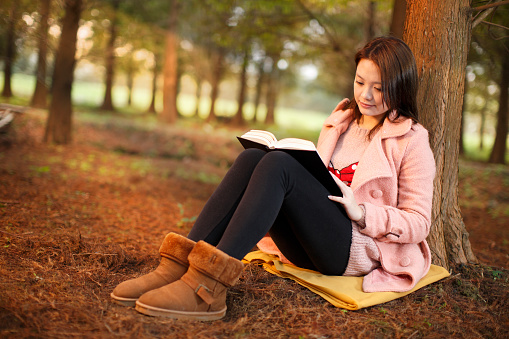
[(354, 211)]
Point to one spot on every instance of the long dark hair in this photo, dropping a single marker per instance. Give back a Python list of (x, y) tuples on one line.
[(398, 73)]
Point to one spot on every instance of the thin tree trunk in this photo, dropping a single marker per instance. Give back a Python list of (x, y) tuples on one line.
[(398, 18), (238, 119), (59, 124), (199, 87), (152, 107), (482, 127), (216, 80), (370, 27), (272, 92), (259, 88), (130, 82), (169, 114), (110, 61), (10, 52), (438, 32), (39, 98), (500, 146)]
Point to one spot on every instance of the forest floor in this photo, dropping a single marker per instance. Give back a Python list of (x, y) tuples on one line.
[(77, 220)]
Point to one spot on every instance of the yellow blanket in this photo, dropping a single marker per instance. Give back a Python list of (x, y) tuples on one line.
[(344, 292)]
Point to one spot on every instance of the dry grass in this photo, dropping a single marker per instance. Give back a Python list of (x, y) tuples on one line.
[(70, 232)]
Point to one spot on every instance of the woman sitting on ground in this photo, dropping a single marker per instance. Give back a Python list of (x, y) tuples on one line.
[(378, 231)]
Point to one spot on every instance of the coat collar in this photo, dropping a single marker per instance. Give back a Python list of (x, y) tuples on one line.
[(374, 163), (340, 120)]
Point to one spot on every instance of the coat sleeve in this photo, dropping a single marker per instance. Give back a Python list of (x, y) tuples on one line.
[(410, 220)]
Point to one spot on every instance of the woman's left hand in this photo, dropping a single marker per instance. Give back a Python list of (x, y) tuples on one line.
[(353, 210)]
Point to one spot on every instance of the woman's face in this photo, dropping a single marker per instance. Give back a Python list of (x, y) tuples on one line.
[(368, 90)]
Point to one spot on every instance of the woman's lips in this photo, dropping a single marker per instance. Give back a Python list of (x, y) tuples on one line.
[(363, 105)]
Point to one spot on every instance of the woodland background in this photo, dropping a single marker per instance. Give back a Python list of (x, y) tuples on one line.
[(124, 120)]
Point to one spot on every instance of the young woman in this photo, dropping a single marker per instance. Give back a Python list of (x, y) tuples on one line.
[(380, 158)]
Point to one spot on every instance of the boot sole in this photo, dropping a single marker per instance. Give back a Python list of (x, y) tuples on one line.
[(161, 312), (129, 302)]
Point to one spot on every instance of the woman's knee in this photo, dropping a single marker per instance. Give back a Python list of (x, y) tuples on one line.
[(250, 156), (278, 159)]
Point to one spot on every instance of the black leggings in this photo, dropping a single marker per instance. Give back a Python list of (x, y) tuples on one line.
[(271, 192)]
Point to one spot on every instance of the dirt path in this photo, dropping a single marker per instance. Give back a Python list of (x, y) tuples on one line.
[(77, 220)]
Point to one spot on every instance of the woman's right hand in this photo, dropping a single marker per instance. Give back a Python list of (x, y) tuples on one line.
[(353, 210)]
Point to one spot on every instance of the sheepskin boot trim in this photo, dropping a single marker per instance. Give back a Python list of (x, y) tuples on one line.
[(174, 251), (215, 264), (176, 247)]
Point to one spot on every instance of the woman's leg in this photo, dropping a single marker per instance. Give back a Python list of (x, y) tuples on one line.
[(218, 210), (283, 197)]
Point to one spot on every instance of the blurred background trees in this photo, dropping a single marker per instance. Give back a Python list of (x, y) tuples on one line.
[(234, 61), (241, 62)]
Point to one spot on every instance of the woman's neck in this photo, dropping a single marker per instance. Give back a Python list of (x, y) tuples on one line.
[(368, 122)]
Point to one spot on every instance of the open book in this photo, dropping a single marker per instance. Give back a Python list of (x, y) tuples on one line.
[(304, 151)]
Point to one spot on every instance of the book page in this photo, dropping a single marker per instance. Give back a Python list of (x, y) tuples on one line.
[(296, 144), (262, 137)]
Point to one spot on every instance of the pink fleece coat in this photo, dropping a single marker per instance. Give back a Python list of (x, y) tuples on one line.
[(394, 182)]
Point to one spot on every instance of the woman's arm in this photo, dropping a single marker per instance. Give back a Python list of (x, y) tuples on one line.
[(410, 220)]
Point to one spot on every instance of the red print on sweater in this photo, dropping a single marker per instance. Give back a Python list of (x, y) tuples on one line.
[(344, 174)]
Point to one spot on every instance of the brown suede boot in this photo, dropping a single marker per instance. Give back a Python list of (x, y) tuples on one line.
[(201, 293), (174, 253)]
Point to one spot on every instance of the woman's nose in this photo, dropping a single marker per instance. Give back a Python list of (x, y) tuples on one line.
[(366, 94)]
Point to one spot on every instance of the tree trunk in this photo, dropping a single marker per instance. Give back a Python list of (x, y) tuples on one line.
[(272, 91), (370, 24), (259, 88), (482, 127), (169, 113), (155, 71), (216, 80), (398, 18), (438, 32), (500, 146), (462, 123), (59, 124), (10, 52), (39, 98), (199, 87), (110, 61), (129, 83), (238, 119)]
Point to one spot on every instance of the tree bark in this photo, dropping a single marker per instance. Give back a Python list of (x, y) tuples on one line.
[(259, 89), (10, 50), (152, 107), (462, 124), (370, 24), (272, 92), (169, 114), (110, 61), (130, 82), (217, 74), (438, 32), (398, 19), (500, 146), (238, 119), (199, 87), (59, 123), (482, 127), (39, 98)]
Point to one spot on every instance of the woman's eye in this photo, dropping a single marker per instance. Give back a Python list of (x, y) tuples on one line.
[(359, 82), (378, 89)]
